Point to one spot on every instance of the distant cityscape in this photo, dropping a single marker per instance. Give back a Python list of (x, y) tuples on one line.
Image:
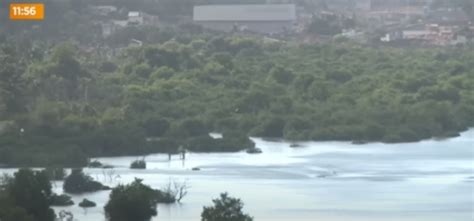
[(391, 22)]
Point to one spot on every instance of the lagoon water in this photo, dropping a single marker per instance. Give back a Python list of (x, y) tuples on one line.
[(432, 180)]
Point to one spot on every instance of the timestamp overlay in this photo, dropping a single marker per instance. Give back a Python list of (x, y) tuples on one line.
[(26, 11)]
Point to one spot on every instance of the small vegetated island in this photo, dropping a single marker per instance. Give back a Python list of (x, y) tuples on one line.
[(65, 106), (79, 182)]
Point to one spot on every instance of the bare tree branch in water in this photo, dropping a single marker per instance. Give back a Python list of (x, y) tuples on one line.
[(177, 189)]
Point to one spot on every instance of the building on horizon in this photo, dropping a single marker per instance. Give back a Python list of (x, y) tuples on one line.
[(265, 19)]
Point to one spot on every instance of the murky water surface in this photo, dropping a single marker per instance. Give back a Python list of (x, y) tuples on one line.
[(320, 181)]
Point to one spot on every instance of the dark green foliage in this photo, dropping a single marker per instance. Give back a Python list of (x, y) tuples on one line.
[(254, 151), (271, 127), (156, 127), (225, 208), (190, 128), (282, 75), (235, 141), (166, 197), (87, 203), (184, 84), (112, 139), (26, 196), (78, 182), (138, 164), (95, 164), (9, 211), (38, 151), (164, 145), (203, 143), (133, 202), (230, 142), (11, 82), (61, 200)]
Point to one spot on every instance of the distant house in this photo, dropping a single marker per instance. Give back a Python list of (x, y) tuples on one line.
[(135, 43), (353, 35), (135, 18), (435, 34), (104, 10), (417, 34), (109, 27), (374, 5), (267, 19), (141, 18), (392, 36)]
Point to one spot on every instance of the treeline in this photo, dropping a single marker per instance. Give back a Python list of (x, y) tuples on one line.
[(63, 106)]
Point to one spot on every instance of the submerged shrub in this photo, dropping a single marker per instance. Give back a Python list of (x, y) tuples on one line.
[(132, 202), (87, 203), (78, 182), (61, 200), (138, 164)]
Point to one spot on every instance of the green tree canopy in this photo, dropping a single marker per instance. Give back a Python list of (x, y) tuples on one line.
[(225, 208), (132, 202), (26, 196)]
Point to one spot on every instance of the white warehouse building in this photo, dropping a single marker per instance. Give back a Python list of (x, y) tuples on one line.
[(267, 19)]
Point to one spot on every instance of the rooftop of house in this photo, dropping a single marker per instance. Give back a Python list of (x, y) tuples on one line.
[(105, 7), (267, 12), (133, 14)]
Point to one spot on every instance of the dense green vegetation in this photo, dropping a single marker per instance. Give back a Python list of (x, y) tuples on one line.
[(95, 164), (225, 208), (87, 203), (138, 164), (177, 92), (61, 200), (135, 201), (78, 182), (26, 196), (66, 89)]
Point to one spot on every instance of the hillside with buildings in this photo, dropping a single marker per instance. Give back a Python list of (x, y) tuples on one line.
[(375, 22), (392, 22)]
